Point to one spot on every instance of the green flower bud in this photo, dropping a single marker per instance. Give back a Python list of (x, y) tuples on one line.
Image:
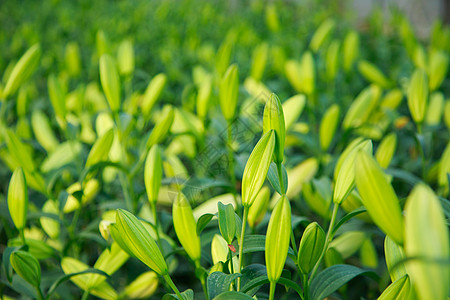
[(186, 227), (361, 108), (345, 179), (43, 131), (352, 202), (300, 174), (272, 18), (348, 243), (204, 97), (378, 196), (152, 93), (332, 59), (311, 246), (418, 95), (394, 254), (328, 126), (18, 198), (392, 99), (350, 50), (125, 57), (333, 257), (368, 254), (293, 71), (259, 207), (103, 227), (49, 225), (317, 195), (308, 73), (219, 249), (27, 266), (372, 74), (22, 70), (259, 60), (435, 109), (100, 150), (274, 120), (427, 242), (227, 221), (292, 109), (321, 34), (19, 151), (256, 169), (223, 54), (153, 173), (132, 237), (110, 81), (144, 286), (438, 66), (420, 57), (229, 91), (161, 129), (72, 58), (102, 43), (399, 289), (277, 239), (57, 98), (386, 150)]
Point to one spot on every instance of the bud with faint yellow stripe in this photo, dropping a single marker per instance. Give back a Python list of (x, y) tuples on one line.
[(418, 95), (386, 150)]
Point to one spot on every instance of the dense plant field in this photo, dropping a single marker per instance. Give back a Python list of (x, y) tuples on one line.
[(221, 150)]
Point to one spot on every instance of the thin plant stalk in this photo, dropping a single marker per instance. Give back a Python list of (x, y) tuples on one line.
[(241, 244), (231, 161), (305, 286), (172, 285), (156, 222), (272, 290), (202, 280)]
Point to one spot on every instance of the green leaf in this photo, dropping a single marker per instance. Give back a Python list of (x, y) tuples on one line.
[(187, 295), (347, 217), (332, 278), (233, 295), (227, 221), (272, 175), (5, 259), (203, 221), (219, 282)]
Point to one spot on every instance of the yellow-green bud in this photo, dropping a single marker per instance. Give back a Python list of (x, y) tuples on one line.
[(308, 73), (362, 107), (392, 99), (292, 109), (274, 120), (110, 81), (418, 95), (399, 289), (277, 239), (186, 227), (152, 93), (57, 98), (19, 151), (272, 18), (143, 286), (229, 91), (328, 126), (332, 59), (102, 43), (350, 50), (153, 173), (204, 97), (373, 74), (259, 207), (311, 246), (259, 60), (219, 249), (386, 150), (161, 128), (437, 69), (444, 167), (72, 58), (321, 34), (394, 254), (49, 225), (43, 131), (100, 150), (293, 71), (435, 109), (27, 266), (348, 243), (18, 198), (125, 57), (447, 113), (368, 254)]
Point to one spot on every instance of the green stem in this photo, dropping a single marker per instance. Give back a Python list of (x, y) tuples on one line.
[(305, 286), (40, 296), (172, 285), (231, 161), (202, 279), (22, 236), (156, 222), (328, 238), (280, 177), (85, 295), (126, 195), (294, 245), (272, 290), (241, 244)]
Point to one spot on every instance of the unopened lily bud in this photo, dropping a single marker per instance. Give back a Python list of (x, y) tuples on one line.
[(418, 95), (392, 99), (308, 73), (394, 254), (311, 246), (386, 150), (420, 57), (144, 286), (259, 60), (293, 71), (229, 91), (437, 69), (348, 243), (350, 49), (427, 242), (100, 150), (49, 225), (321, 34), (103, 227), (399, 289), (259, 207), (19, 151), (435, 109), (110, 81), (352, 202), (292, 109), (372, 74), (186, 227), (317, 195), (27, 266), (91, 188), (153, 173), (256, 169), (328, 126), (152, 93), (57, 98), (227, 221), (204, 97), (378, 196), (272, 18), (274, 120), (361, 108), (219, 249), (43, 131), (161, 129), (345, 179), (368, 254), (72, 58), (22, 70), (125, 57), (132, 237), (332, 59), (102, 43), (18, 198), (333, 257), (277, 239), (109, 262)]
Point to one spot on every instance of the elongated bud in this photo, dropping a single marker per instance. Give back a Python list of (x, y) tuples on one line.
[(153, 173), (91, 188), (259, 60), (292, 109), (223, 55), (277, 239), (27, 266), (109, 262), (204, 97), (300, 174), (399, 289), (386, 150), (350, 50), (49, 225), (427, 243), (332, 59), (72, 58), (328, 126), (256, 169), (274, 120), (186, 227), (420, 57), (394, 254), (125, 57), (361, 108), (317, 195), (345, 180), (308, 73), (321, 34), (227, 221), (110, 81), (102, 43), (437, 69), (101, 148), (132, 236), (293, 71), (219, 249), (311, 246), (259, 207), (378, 196), (418, 95), (22, 70), (57, 97), (368, 254), (152, 93), (18, 198), (435, 109), (103, 227), (144, 286), (229, 91), (373, 74), (392, 99), (348, 243), (272, 18), (19, 151), (161, 129), (43, 131)]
